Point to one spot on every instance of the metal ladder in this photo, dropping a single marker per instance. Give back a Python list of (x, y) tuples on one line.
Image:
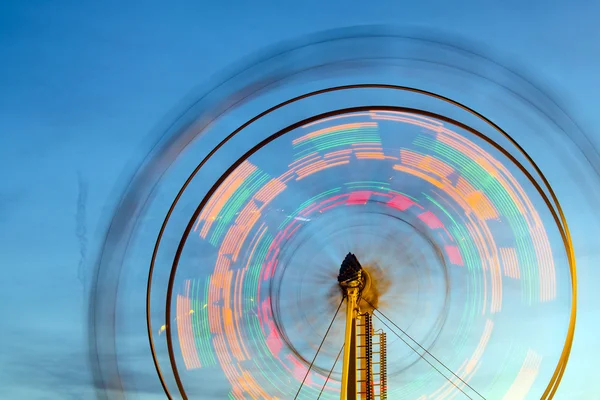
[(379, 366), (363, 357), (371, 366)]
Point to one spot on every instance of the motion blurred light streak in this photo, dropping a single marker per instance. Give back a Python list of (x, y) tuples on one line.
[(336, 117), (454, 255), (468, 368), (334, 130), (510, 262), (213, 208), (320, 166), (400, 202), (184, 329), (477, 229), (495, 205), (201, 323), (462, 197), (526, 221), (527, 374)]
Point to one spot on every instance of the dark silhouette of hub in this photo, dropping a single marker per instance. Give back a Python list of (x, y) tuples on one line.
[(350, 269)]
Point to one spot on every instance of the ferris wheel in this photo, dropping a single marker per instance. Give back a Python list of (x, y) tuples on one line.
[(360, 214)]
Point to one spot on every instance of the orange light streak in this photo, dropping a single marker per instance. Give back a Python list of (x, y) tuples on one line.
[(338, 153), (541, 245), (479, 231), (419, 174), (508, 255), (321, 168), (370, 155), (221, 196), (185, 332), (237, 313), (332, 129), (307, 159)]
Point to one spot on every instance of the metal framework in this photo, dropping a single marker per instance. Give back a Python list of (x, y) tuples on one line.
[(364, 373)]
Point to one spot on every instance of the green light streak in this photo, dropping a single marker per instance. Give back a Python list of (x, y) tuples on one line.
[(200, 323), (342, 137), (500, 198), (306, 204), (369, 185), (254, 181)]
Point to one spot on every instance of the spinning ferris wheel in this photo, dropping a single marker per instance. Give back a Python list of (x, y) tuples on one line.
[(358, 215)]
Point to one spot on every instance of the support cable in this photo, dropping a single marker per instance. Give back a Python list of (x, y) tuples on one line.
[(319, 349), (426, 351), (331, 371), (424, 359)]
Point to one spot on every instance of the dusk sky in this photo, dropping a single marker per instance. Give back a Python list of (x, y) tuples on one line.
[(84, 84)]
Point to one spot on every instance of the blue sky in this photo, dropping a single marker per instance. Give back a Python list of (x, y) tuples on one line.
[(82, 85)]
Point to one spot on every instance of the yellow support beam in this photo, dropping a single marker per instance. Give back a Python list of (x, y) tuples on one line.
[(348, 391)]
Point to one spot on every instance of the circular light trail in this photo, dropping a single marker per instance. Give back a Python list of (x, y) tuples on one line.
[(472, 205), (450, 215)]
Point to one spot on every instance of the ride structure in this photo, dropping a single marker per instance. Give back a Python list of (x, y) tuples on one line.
[(364, 373)]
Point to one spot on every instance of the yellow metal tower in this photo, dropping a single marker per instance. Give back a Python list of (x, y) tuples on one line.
[(364, 373)]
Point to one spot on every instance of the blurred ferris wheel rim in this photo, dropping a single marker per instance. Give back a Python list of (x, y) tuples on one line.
[(241, 87)]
